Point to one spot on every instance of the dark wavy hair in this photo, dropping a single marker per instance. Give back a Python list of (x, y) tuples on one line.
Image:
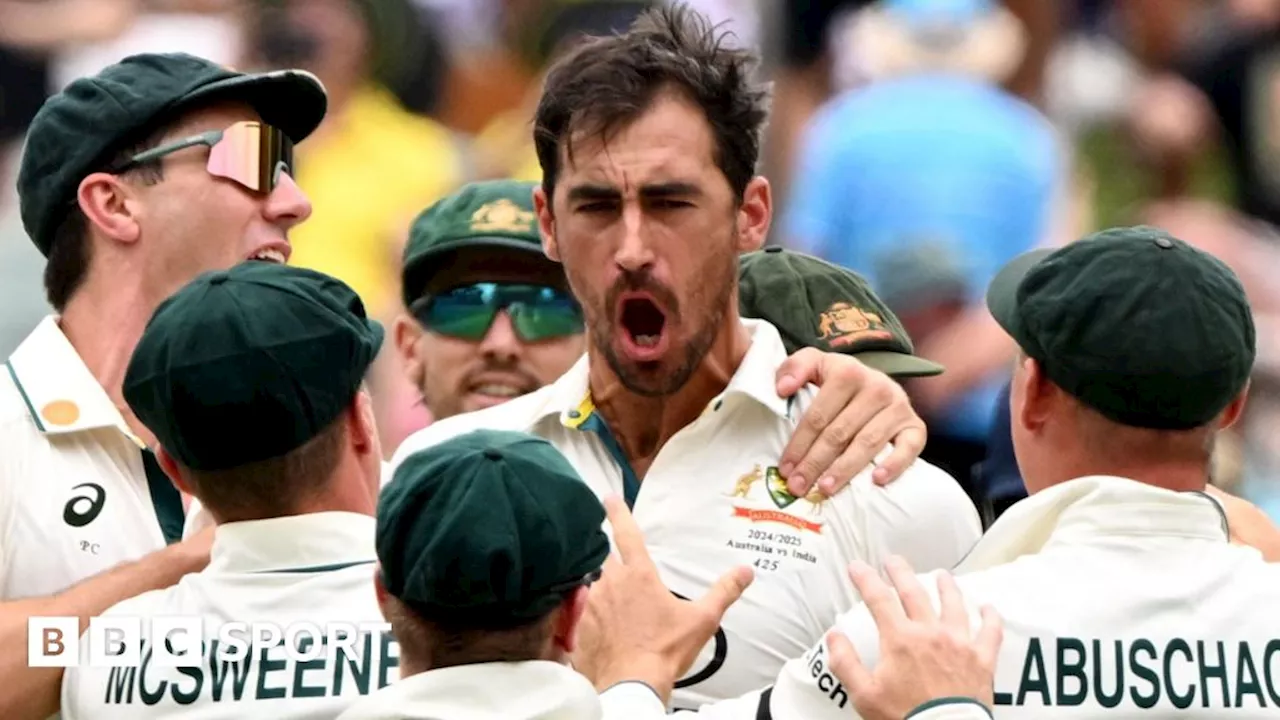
[(606, 83)]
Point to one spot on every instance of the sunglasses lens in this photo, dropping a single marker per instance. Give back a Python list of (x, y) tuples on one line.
[(552, 314), (537, 312), (253, 154), (457, 314)]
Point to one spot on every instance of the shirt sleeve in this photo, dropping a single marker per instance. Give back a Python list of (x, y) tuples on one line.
[(925, 517), (951, 708), (638, 701)]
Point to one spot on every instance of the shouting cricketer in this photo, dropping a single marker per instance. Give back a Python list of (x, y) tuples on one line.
[(648, 143)]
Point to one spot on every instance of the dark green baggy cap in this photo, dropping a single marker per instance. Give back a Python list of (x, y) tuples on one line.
[(248, 364), (1134, 323), (77, 129), (491, 528), (815, 303), (495, 214)]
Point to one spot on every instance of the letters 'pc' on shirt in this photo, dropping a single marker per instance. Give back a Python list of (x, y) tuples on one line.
[(78, 492)]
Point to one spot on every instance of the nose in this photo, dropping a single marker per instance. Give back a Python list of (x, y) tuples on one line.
[(287, 205), (501, 344), (633, 253)]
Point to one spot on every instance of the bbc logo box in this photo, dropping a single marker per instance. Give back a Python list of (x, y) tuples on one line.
[(112, 641)]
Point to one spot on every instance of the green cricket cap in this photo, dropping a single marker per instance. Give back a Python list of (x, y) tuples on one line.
[(495, 214), (76, 131), (490, 527), (248, 364), (815, 303), (1132, 322)]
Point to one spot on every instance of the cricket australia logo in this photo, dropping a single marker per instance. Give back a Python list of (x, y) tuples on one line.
[(775, 486)]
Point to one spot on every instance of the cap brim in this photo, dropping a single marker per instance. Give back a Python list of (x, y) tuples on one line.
[(293, 100), (1002, 293), (899, 365), (379, 334), (419, 270)]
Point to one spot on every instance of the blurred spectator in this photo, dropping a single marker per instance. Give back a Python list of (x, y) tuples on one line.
[(1225, 86), (504, 148), (373, 164), (934, 162), (817, 58)]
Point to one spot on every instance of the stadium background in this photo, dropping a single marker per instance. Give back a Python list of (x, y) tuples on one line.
[(1164, 112)]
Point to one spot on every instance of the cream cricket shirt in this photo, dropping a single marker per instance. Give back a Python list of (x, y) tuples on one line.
[(531, 690), (78, 493), (1120, 600), (713, 499), (315, 569)]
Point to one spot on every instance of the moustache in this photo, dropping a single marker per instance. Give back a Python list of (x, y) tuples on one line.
[(632, 282)]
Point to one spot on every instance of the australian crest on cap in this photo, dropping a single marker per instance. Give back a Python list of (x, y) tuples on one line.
[(502, 215), (844, 324)]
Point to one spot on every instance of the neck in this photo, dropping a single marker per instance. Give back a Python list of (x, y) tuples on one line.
[(1178, 475), (411, 665), (104, 325), (642, 425), (353, 488)]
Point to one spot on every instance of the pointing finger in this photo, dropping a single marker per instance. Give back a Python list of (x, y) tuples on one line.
[(627, 537)]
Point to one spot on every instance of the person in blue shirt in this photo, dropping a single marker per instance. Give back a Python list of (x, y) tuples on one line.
[(937, 162)]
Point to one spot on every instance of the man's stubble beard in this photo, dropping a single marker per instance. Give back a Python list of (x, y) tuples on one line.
[(718, 290)]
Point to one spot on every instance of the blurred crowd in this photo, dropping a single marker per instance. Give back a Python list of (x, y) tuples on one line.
[(922, 143)]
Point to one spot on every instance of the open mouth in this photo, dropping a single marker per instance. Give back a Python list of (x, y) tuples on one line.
[(644, 325)]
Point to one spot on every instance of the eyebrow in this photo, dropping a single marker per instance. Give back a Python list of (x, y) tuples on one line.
[(590, 192)]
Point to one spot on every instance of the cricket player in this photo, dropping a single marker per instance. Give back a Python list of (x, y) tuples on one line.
[(132, 182), (275, 358), (487, 544), (676, 405), (1119, 588), (490, 318)]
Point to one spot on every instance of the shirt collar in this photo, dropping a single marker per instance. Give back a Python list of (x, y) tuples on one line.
[(534, 689), (298, 543), (60, 392), (1091, 507), (755, 380)]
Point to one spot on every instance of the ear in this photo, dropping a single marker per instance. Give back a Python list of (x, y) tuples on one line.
[(110, 206), (569, 619), (1035, 394), (406, 333), (364, 426), (1233, 411), (170, 467), (546, 223), (380, 591), (755, 215)]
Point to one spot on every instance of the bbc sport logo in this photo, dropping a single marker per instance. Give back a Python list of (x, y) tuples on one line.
[(183, 641)]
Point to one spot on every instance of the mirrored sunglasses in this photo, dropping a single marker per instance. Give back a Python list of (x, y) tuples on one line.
[(537, 312), (250, 153)]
